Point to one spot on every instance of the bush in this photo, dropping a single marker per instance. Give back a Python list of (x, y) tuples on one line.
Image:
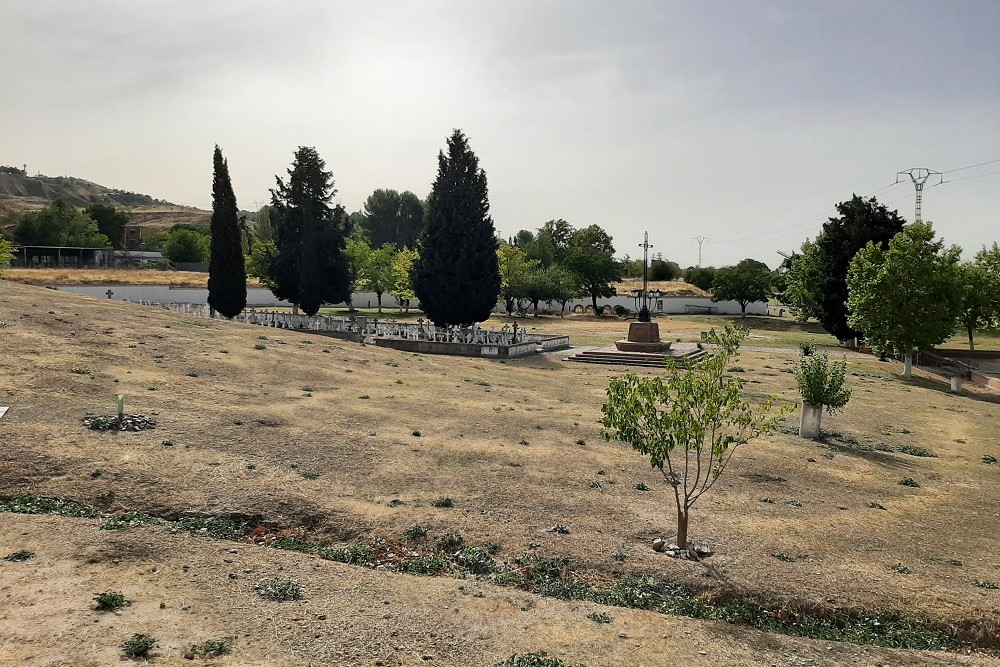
[(279, 590), (820, 383), (139, 646), (111, 600)]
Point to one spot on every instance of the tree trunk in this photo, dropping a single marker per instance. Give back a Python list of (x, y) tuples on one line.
[(972, 344), (593, 298), (682, 528), (378, 295), (295, 309), (509, 303), (908, 363), (743, 308), (812, 416)]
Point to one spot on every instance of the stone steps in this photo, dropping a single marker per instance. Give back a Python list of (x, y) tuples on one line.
[(641, 359)]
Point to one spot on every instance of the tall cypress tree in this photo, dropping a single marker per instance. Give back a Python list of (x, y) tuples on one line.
[(457, 277), (227, 275), (310, 235)]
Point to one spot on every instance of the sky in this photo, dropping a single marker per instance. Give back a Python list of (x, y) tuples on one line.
[(740, 122)]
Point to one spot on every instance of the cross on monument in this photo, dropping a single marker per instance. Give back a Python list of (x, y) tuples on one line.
[(110, 293), (644, 311)]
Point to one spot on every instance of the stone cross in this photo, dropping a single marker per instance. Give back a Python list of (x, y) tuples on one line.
[(110, 293)]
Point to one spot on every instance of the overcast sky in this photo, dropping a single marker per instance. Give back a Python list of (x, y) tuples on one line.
[(744, 122)]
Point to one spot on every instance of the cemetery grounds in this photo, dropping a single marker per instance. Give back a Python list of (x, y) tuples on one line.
[(337, 451)]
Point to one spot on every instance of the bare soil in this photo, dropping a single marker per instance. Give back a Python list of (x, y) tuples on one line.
[(516, 445)]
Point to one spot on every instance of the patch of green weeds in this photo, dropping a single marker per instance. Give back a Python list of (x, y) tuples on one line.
[(768, 500), (280, 589), (451, 542), (599, 617), (106, 498), (310, 474), (94, 474), (139, 646), (443, 503), (218, 527), (427, 564), (212, 648), (260, 346), (900, 568), (982, 583), (111, 600), (989, 459), (364, 397), (914, 450), (641, 486), (477, 560), (875, 505), (129, 519), (19, 556), (909, 481), (396, 502), (415, 434), (29, 503), (81, 371), (782, 556), (295, 543), (539, 659), (355, 554), (415, 532)]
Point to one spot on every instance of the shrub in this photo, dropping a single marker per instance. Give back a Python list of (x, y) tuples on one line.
[(212, 648), (451, 542), (476, 560), (540, 659), (279, 589), (415, 532), (19, 556), (442, 502), (111, 600), (821, 383), (139, 646)]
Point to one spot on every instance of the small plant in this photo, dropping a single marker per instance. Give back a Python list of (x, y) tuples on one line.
[(81, 371), (211, 648), (594, 484), (94, 474), (807, 349), (261, 337), (106, 498), (821, 385), (540, 659), (909, 481), (914, 450), (599, 617), (416, 434), (364, 397), (581, 442), (415, 532), (451, 542), (356, 554), (260, 346), (560, 529), (782, 556), (19, 556), (111, 600), (736, 369), (477, 560), (442, 502), (641, 486), (310, 474), (279, 589), (989, 459), (128, 520), (192, 374), (982, 583), (875, 506), (167, 443), (768, 500), (620, 556), (139, 646), (309, 388), (795, 503), (900, 568), (429, 564), (955, 562)]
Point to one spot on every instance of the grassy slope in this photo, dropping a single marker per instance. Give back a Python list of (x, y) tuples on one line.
[(472, 415)]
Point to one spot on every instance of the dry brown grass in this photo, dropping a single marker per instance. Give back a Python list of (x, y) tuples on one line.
[(671, 287), (472, 415), (110, 277)]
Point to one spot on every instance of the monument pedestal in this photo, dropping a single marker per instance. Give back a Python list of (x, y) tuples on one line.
[(643, 337)]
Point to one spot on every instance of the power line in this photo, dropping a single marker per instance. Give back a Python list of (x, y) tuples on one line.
[(971, 166), (965, 178)]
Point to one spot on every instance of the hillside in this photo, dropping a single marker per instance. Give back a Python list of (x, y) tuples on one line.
[(339, 454), (20, 192)]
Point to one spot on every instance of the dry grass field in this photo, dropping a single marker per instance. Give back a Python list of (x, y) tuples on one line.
[(341, 444), (110, 277)]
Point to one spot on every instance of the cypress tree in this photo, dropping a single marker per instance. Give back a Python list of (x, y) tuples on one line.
[(457, 277), (227, 276), (310, 267)]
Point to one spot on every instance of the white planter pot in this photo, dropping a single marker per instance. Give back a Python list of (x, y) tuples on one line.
[(812, 415)]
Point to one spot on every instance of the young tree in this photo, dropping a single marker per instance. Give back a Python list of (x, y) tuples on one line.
[(262, 224), (802, 283), (110, 221), (456, 277), (979, 295), (904, 297), (702, 277), (402, 286), (6, 254), (227, 275), (861, 221), (515, 273), (689, 423), (821, 386), (375, 271), (391, 217), (590, 257), (747, 282), (310, 267)]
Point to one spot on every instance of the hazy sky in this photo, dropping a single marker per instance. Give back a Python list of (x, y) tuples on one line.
[(743, 121)]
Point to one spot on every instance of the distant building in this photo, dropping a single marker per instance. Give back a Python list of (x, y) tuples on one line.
[(133, 236), (136, 258), (36, 256)]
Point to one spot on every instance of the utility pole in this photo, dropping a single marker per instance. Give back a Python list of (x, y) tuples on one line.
[(919, 176), (700, 240)]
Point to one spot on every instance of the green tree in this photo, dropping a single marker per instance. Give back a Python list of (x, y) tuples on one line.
[(689, 423), (186, 245), (747, 282), (227, 275), (310, 266), (979, 296), (6, 254), (702, 277), (515, 273), (59, 224), (860, 221), (262, 253), (550, 245), (802, 283), (110, 221), (904, 297), (376, 271), (456, 277), (262, 224), (590, 257), (389, 217), (663, 270), (402, 267)]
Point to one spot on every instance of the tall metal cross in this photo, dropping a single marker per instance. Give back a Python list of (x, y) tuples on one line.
[(644, 311)]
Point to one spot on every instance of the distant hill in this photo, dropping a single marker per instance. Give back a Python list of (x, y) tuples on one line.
[(20, 192)]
